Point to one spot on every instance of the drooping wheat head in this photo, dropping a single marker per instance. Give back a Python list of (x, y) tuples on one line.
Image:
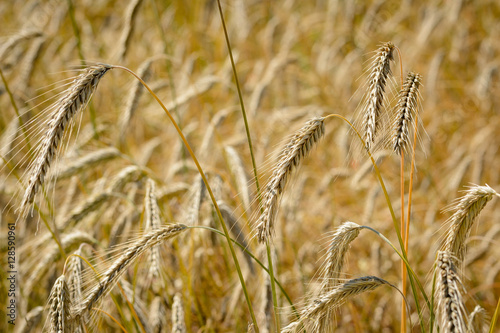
[(75, 98), (293, 153)]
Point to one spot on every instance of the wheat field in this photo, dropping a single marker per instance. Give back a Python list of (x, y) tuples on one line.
[(249, 166)]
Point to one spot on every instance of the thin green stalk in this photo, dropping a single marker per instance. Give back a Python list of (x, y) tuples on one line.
[(254, 165), (295, 312), (214, 201)]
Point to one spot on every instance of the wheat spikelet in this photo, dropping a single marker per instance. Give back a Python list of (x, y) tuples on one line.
[(59, 307), (113, 273), (74, 99), (331, 300), (450, 307), (294, 152), (178, 324), (380, 71), (466, 210), (16, 39), (406, 112)]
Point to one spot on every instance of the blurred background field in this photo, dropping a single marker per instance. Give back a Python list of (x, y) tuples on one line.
[(295, 60)]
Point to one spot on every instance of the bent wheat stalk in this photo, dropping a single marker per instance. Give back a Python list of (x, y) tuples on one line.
[(73, 101)]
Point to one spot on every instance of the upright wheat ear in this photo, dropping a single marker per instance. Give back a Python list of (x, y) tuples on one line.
[(74, 99), (291, 156), (380, 71), (406, 113)]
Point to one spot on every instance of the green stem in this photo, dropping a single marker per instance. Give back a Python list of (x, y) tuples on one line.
[(214, 201), (254, 165)]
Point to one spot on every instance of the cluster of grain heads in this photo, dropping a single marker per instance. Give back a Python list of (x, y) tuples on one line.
[(406, 112), (331, 300), (379, 73), (452, 314), (73, 100), (110, 277), (290, 157)]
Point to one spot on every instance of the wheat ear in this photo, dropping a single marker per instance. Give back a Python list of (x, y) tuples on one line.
[(466, 210), (74, 99), (113, 273), (451, 310), (294, 152), (380, 71), (59, 307), (477, 320), (406, 112), (333, 299)]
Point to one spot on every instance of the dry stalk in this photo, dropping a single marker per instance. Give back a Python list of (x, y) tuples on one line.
[(294, 152)]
